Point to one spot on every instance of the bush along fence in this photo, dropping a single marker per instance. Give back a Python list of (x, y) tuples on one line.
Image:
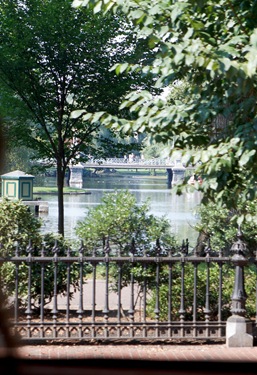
[(59, 294)]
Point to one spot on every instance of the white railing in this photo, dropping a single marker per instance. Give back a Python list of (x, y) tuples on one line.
[(135, 162)]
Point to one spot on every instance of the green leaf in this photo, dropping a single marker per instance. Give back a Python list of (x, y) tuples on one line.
[(213, 184), (87, 116), (98, 7), (123, 67), (244, 159), (249, 217), (240, 220), (97, 116), (78, 3), (77, 113)]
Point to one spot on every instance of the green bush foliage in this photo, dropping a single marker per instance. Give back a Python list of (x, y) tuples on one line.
[(219, 226), (17, 224), (120, 220), (127, 228), (20, 235)]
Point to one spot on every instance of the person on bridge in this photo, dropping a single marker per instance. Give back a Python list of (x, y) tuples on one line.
[(131, 157)]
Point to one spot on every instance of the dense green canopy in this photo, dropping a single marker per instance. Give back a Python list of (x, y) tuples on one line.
[(53, 60), (212, 46)]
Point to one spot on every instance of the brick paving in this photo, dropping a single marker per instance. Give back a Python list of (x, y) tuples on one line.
[(140, 352)]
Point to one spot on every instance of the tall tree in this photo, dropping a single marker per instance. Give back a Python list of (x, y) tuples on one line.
[(54, 59), (213, 45)]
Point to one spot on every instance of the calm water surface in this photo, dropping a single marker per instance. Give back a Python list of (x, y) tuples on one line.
[(180, 210)]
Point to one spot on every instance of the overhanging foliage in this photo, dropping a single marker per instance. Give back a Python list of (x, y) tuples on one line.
[(213, 46)]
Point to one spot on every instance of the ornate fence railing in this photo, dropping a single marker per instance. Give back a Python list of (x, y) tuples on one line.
[(161, 296)]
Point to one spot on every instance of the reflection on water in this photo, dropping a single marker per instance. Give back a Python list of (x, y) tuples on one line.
[(163, 202)]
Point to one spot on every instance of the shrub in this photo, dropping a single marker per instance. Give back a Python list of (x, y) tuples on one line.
[(17, 225), (119, 219), (20, 234), (126, 227), (220, 225)]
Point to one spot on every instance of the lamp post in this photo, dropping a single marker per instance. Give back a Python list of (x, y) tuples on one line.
[(238, 332)]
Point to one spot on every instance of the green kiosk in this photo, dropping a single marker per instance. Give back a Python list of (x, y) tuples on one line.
[(17, 185)]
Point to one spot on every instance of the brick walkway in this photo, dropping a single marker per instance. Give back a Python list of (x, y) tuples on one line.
[(141, 352)]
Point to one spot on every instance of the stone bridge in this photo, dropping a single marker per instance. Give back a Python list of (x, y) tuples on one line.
[(174, 168)]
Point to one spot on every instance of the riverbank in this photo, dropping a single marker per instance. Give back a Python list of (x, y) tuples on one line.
[(39, 190)]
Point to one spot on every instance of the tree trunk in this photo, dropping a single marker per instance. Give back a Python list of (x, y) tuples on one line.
[(60, 185), (202, 242)]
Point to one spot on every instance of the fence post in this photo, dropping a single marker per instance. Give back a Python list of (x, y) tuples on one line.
[(238, 328)]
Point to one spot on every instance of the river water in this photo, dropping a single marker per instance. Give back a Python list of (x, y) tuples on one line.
[(180, 210)]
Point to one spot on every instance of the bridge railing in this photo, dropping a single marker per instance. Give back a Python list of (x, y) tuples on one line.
[(166, 162)]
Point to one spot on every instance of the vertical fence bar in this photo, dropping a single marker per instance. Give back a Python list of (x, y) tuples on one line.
[(16, 294), (119, 305), (220, 264), (144, 329), (256, 290), (207, 310), (182, 312), (68, 294), (182, 293), (131, 310), (207, 294), (94, 265), (55, 296), (157, 287), (131, 307), (28, 311), (170, 292), (42, 317), (80, 310), (195, 298), (195, 265), (170, 296), (106, 310)]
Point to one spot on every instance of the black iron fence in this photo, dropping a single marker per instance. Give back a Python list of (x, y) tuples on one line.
[(64, 295)]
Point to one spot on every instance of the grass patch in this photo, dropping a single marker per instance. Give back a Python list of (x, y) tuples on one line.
[(54, 190)]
